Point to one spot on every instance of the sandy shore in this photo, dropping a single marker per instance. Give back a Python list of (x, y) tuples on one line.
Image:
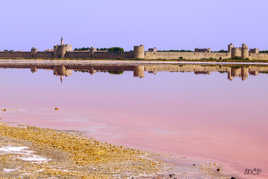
[(46, 153)]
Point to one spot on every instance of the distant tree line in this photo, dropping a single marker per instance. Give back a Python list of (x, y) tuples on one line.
[(82, 49), (221, 51), (112, 49), (116, 50), (102, 49), (175, 51), (8, 50), (264, 51)]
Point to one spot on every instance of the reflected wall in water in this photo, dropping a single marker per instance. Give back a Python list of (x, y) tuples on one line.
[(65, 70), (241, 71), (139, 71)]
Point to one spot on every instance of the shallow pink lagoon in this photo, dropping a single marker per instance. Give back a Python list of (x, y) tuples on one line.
[(183, 114)]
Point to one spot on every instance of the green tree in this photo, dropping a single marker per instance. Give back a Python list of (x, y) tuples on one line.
[(116, 50)]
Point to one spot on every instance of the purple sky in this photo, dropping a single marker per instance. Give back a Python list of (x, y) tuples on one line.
[(169, 24)]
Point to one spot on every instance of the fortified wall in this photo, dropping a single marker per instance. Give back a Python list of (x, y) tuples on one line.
[(99, 55), (186, 55), (65, 51), (242, 52)]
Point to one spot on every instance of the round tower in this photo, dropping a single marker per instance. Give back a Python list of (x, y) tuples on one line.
[(235, 53), (245, 52), (33, 52), (92, 50), (230, 46), (139, 52), (61, 51)]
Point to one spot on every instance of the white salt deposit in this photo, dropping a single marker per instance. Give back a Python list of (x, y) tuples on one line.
[(7, 170), (25, 154), (12, 149), (34, 158)]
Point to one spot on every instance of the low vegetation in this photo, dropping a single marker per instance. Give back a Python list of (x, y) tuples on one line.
[(221, 51), (111, 50), (82, 49), (116, 50), (175, 51)]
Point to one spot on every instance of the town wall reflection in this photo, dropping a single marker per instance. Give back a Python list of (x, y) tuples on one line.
[(232, 71)]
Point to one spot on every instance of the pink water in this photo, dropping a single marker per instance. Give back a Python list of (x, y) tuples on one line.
[(204, 116)]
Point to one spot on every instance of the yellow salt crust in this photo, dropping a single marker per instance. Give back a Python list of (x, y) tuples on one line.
[(84, 151)]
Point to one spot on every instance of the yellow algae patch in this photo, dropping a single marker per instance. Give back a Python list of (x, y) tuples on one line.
[(104, 159), (57, 172)]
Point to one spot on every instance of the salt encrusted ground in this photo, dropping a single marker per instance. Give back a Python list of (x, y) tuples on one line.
[(44, 153)]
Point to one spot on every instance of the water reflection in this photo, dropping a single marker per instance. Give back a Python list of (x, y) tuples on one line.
[(65, 70), (233, 71)]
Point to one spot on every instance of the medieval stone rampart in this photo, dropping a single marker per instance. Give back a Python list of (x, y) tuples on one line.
[(15, 54), (84, 54), (44, 55), (99, 55), (27, 55), (139, 52), (110, 55), (236, 53), (65, 51), (185, 55), (260, 56)]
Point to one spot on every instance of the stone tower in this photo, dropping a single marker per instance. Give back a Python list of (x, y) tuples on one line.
[(61, 50), (236, 53), (34, 52), (230, 46), (92, 50), (254, 51), (139, 52), (244, 51)]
